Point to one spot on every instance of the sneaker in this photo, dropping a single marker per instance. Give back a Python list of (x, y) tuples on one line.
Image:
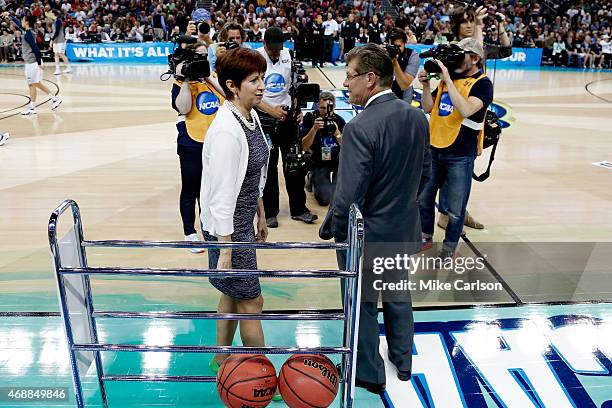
[(57, 101), (194, 238), (306, 217), (3, 138), (57, 71), (29, 111), (272, 222), (67, 70)]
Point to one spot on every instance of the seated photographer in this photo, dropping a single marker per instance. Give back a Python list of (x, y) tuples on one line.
[(458, 108), (231, 36), (406, 64), (197, 100), (321, 132)]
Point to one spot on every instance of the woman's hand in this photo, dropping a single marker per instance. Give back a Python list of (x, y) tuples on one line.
[(262, 230), (225, 259)]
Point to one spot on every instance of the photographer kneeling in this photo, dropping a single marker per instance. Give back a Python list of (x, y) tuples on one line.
[(406, 64), (321, 132), (458, 108), (196, 97)]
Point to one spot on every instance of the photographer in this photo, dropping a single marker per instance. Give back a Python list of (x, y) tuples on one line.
[(321, 132), (405, 64), (280, 129), (458, 108), (231, 36), (469, 22), (197, 101)]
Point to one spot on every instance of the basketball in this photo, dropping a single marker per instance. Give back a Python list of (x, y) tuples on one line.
[(308, 381), (246, 380)]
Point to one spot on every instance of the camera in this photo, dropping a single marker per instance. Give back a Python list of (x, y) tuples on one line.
[(301, 93), (393, 50), (195, 66), (329, 125), (229, 45), (449, 54)]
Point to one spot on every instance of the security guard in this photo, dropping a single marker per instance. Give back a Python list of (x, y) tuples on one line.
[(279, 129)]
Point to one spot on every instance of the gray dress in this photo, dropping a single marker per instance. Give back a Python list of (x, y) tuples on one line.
[(244, 214)]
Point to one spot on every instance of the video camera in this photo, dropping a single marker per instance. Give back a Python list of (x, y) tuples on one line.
[(195, 66), (448, 54), (301, 93)]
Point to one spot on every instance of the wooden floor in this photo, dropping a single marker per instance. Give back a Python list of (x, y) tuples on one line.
[(111, 147)]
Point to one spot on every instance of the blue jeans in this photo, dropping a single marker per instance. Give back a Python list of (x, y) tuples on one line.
[(455, 174)]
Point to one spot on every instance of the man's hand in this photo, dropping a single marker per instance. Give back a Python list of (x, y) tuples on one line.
[(318, 124), (279, 113), (424, 78), (481, 13), (220, 50), (444, 75), (191, 28)]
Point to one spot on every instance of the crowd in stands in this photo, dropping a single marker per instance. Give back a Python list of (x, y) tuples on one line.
[(571, 33)]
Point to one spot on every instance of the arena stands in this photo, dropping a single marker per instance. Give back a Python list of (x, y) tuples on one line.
[(571, 33)]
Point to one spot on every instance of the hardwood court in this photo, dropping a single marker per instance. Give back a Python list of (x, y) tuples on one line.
[(111, 147)]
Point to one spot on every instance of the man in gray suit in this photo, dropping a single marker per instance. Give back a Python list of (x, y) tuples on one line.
[(385, 158)]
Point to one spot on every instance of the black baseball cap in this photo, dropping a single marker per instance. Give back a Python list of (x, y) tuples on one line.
[(274, 38)]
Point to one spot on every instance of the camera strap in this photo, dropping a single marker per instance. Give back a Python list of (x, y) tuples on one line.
[(487, 172)]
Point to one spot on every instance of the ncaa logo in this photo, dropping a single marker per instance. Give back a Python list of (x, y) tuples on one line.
[(275, 83), (207, 103), (446, 105)]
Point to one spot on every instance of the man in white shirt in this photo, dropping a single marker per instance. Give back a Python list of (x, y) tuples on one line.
[(330, 33), (281, 131)]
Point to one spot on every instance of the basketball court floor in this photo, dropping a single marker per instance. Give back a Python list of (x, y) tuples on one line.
[(540, 338)]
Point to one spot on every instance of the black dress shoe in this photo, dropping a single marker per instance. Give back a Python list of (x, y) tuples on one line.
[(404, 375), (372, 387)]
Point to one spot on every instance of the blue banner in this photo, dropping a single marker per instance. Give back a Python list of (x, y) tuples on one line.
[(157, 52), (150, 53)]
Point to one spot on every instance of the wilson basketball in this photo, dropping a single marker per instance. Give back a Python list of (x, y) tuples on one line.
[(308, 381), (246, 380)]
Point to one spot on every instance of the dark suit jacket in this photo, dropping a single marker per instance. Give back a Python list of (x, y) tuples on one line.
[(384, 161)]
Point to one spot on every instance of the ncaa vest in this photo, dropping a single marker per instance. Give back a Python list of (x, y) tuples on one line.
[(445, 122), (277, 79), (205, 102)]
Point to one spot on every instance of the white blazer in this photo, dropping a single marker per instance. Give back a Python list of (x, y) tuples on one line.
[(225, 157)]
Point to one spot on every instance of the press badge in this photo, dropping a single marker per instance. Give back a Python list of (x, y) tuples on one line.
[(269, 140), (326, 153)]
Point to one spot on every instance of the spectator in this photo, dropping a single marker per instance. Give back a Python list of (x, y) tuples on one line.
[(6, 45)]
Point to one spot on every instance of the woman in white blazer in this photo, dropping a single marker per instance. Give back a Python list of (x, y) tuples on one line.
[(234, 166)]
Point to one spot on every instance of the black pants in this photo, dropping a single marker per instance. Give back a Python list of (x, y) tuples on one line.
[(191, 179), (349, 44), (328, 45), (282, 139), (317, 51), (323, 184)]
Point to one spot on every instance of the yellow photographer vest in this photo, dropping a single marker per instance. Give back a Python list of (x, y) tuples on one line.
[(205, 102), (445, 121)]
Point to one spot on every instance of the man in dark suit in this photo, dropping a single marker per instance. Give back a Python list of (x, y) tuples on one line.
[(385, 159)]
